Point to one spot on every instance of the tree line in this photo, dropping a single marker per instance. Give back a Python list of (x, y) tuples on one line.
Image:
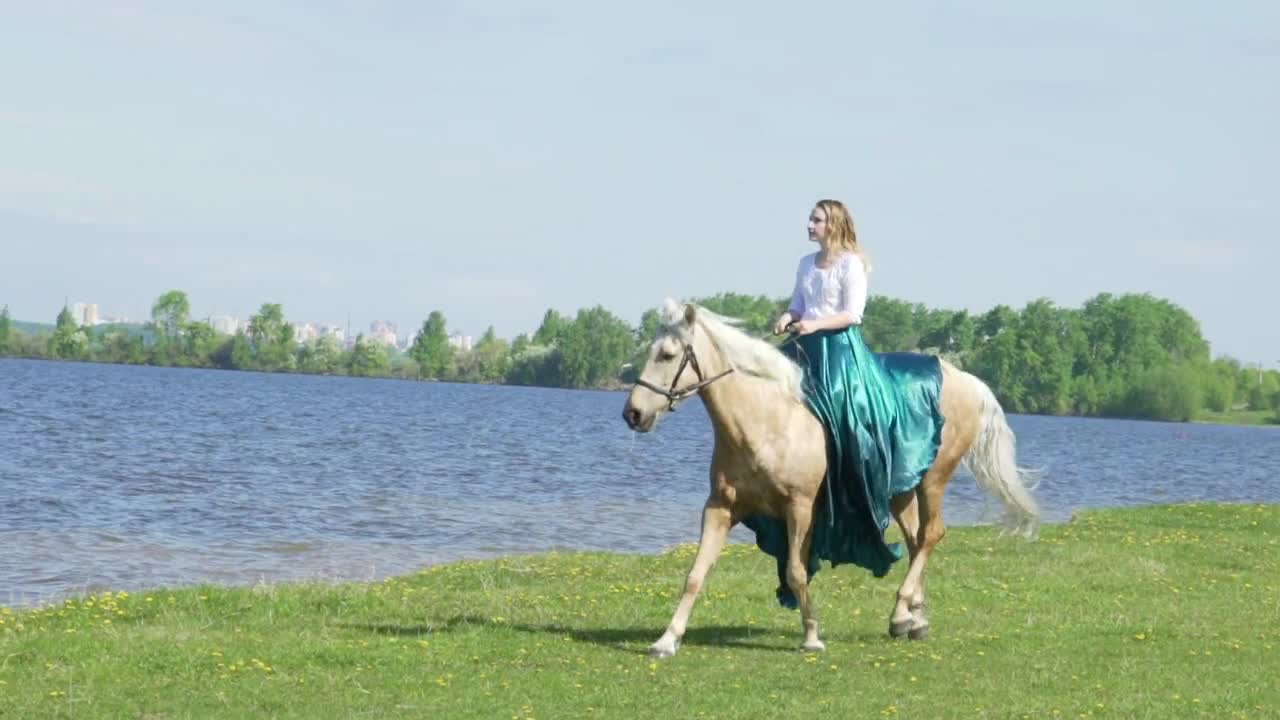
[(1131, 355)]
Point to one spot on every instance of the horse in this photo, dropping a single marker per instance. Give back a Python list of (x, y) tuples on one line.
[(770, 457)]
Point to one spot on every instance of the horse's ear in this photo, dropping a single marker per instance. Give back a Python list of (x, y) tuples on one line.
[(690, 313)]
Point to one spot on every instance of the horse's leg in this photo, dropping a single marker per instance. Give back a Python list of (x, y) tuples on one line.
[(799, 519), (716, 522), (932, 529), (909, 607)]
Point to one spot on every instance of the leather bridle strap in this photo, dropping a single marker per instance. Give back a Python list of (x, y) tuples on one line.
[(673, 395)]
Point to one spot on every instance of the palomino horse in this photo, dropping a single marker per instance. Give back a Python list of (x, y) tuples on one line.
[(770, 456)]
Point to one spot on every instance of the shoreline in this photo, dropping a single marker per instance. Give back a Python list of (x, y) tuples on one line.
[(55, 598), (625, 387)]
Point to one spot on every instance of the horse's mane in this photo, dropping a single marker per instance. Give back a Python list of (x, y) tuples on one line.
[(744, 353)]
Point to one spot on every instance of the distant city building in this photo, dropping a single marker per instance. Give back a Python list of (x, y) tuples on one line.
[(225, 324), (381, 331), (85, 313), (334, 332), (305, 332), (460, 342)]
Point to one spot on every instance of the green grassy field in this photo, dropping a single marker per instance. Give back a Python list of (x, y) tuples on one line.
[(1159, 612)]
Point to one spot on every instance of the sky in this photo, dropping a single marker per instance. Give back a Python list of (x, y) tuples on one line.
[(360, 161)]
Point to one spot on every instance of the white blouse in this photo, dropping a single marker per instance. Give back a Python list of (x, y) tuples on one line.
[(820, 292)]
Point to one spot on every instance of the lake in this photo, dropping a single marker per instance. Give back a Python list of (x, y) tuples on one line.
[(119, 477)]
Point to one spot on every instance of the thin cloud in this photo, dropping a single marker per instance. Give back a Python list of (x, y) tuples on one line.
[(189, 29), (19, 180), (44, 120)]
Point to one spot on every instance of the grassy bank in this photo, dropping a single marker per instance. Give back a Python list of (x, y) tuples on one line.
[(1155, 612), (1239, 417)]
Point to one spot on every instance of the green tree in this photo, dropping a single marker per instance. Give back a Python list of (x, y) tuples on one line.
[(592, 349), (368, 359), (1126, 339), (6, 329), (199, 341), (169, 317), (646, 332), (431, 348), (321, 356), (532, 364), (491, 357), (120, 346), (1220, 384), (998, 362), (239, 353), (1275, 407), (69, 340), (520, 344), (755, 313), (1167, 392), (650, 323), (271, 338), (995, 321), (170, 314), (549, 332), (890, 325), (1263, 390), (1048, 339)]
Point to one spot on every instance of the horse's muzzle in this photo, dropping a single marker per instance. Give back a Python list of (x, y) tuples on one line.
[(631, 416), (636, 420)]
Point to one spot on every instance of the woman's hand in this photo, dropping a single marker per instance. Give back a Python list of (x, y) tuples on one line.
[(780, 326), (804, 327)]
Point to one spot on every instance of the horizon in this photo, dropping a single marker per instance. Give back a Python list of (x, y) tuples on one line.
[(496, 162), (405, 334)]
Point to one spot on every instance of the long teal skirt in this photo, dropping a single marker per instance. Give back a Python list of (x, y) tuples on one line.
[(883, 425)]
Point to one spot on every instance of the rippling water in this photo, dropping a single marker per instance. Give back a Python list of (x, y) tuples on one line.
[(128, 477)]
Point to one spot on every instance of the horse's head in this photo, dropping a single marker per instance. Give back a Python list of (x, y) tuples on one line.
[(673, 371)]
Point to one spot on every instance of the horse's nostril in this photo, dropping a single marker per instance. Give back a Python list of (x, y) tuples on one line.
[(631, 416)]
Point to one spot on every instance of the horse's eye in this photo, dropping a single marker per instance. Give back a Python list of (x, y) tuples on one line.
[(664, 356)]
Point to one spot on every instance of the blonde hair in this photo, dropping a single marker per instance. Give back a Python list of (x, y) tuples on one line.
[(843, 234)]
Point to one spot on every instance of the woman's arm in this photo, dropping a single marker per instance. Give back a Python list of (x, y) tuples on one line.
[(834, 321), (796, 309)]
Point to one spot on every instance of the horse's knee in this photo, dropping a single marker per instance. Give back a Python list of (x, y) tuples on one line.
[(933, 533), (693, 583), (797, 578)]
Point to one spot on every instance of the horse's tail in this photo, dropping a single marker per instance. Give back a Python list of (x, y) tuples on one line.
[(993, 461)]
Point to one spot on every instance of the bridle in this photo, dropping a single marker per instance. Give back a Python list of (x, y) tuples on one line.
[(673, 395)]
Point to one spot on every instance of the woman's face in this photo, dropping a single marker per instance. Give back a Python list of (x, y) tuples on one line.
[(818, 229)]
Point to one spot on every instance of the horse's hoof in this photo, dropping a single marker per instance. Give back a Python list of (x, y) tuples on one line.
[(814, 646), (919, 633), (900, 629), (663, 649)]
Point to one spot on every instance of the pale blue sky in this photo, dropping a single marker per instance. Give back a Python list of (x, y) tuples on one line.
[(492, 160)]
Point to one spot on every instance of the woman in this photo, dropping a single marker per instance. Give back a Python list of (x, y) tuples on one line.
[(880, 411)]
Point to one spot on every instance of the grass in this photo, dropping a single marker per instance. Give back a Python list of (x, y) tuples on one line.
[(1240, 417), (1155, 612)]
